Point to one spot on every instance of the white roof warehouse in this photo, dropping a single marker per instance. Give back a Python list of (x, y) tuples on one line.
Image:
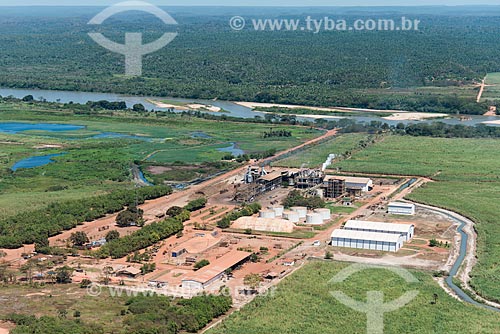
[(407, 231), (367, 240)]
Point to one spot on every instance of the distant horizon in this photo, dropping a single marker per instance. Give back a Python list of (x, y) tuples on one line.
[(260, 3)]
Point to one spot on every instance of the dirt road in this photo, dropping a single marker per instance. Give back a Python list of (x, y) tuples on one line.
[(98, 228)]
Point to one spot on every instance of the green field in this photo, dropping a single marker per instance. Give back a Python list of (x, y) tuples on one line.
[(493, 92), (302, 304), (315, 156), (94, 165), (467, 172)]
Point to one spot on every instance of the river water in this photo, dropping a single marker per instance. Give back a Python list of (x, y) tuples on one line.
[(233, 108)]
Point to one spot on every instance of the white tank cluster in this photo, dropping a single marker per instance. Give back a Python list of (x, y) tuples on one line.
[(267, 214), (314, 219), (325, 213), (292, 216), (301, 210), (278, 210)]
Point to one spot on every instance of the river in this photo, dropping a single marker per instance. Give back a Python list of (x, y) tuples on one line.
[(232, 108)]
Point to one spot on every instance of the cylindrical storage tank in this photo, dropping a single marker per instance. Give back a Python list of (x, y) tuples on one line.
[(278, 210), (314, 219), (291, 216), (301, 210), (267, 214), (325, 213)]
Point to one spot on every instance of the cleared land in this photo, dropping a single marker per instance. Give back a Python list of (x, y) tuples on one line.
[(467, 171), (310, 308)]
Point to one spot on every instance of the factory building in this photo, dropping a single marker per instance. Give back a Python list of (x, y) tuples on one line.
[(367, 240), (270, 181), (309, 178), (333, 187), (406, 231), (398, 208)]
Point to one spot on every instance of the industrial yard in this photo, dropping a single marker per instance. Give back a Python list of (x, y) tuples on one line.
[(270, 243)]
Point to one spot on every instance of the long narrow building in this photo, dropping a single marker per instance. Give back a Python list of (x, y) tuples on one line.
[(367, 240), (407, 231)]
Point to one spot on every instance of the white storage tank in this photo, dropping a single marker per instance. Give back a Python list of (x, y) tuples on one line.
[(278, 210), (314, 219), (301, 210), (292, 216), (326, 214), (267, 214)]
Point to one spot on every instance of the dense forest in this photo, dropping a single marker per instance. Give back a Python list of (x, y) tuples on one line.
[(209, 60)]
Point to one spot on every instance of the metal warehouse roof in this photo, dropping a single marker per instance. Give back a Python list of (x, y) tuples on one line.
[(376, 226), (271, 176), (349, 179), (218, 266), (402, 205), (370, 236)]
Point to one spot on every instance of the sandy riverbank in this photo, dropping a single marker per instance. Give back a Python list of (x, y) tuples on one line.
[(413, 116), (253, 105), (492, 122), (192, 106)]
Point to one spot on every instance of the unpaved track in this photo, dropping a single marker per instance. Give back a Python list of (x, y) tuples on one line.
[(153, 207)]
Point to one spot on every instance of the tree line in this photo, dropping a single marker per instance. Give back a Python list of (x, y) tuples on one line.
[(30, 227)]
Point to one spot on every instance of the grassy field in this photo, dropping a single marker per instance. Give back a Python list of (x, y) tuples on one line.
[(92, 165), (467, 172), (316, 156), (49, 300), (493, 92), (302, 304)]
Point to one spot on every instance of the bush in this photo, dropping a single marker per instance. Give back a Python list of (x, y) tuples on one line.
[(200, 264), (246, 210), (295, 198), (197, 204)]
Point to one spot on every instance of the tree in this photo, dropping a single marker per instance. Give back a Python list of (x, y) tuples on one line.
[(138, 107), (85, 283), (433, 243), (28, 268), (174, 211), (112, 235), (196, 204), (252, 281), (130, 217), (42, 245), (107, 271), (79, 238), (328, 255), (63, 275), (200, 264), (28, 98)]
